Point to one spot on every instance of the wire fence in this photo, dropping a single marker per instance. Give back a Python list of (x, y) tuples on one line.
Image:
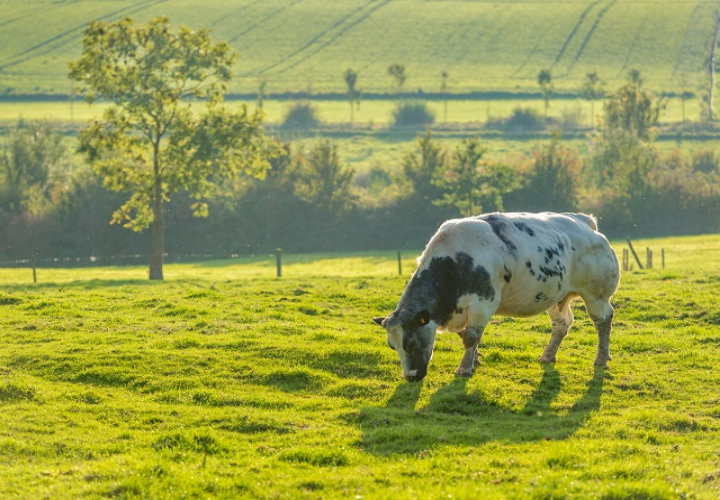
[(113, 260)]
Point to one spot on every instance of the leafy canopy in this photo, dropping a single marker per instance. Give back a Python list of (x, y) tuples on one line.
[(150, 143)]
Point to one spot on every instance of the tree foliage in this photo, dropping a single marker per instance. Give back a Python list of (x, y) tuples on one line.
[(472, 186), (29, 157), (149, 143), (323, 181), (633, 109), (423, 167)]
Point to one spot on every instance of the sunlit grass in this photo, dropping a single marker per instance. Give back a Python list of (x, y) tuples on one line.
[(225, 381)]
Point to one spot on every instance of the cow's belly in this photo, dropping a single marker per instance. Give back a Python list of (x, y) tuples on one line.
[(529, 300)]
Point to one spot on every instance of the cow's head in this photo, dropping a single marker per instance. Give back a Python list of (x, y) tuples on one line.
[(413, 337)]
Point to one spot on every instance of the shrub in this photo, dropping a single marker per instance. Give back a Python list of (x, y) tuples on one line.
[(301, 115), (706, 162), (525, 119), (412, 114)]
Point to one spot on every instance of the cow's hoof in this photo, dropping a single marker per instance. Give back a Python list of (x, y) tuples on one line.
[(546, 360)]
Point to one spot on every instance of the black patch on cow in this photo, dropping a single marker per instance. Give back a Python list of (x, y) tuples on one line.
[(508, 275), (497, 224), (540, 297), (528, 264), (438, 287), (524, 228)]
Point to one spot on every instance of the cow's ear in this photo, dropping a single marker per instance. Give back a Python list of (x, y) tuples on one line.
[(379, 321), (422, 318)]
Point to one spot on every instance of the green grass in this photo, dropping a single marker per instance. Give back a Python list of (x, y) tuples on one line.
[(306, 45), (225, 382)]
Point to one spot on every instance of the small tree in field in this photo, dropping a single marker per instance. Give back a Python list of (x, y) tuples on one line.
[(546, 84), (149, 143), (397, 72), (592, 90), (353, 94)]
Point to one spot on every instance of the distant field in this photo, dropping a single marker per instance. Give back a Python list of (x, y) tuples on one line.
[(305, 45), (372, 144), (224, 382), (371, 113)]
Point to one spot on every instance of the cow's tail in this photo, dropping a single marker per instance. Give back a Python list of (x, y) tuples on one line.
[(587, 219)]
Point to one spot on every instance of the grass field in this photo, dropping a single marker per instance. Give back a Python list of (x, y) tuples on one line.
[(225, 382), (305, 45)]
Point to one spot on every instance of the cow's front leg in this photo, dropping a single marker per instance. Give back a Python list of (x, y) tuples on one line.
[(471, 337)]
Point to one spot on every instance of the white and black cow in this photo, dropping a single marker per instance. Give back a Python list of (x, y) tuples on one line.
[(511, 264)]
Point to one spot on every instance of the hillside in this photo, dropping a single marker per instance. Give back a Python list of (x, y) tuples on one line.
[(305, 45)]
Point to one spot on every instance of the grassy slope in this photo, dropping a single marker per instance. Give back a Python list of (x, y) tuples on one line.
[(225, 382), (307, 44)]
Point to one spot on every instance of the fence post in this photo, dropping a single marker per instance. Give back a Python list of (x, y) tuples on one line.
[(626, 259), (34, 266), (278, 261), (637, 259), (662, 257), (399, 263), (649, 258)]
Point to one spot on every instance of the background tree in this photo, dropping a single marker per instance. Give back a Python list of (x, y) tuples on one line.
[(397, 72), (546, 85), (261, 93), (632, 109), (323, 181), (29, 157), (353, 94), (421, 168), (472, 186), (149, 142), (553, 178), (592, 90), (443, 90)]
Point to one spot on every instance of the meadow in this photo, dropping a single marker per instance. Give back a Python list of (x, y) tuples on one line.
[(224, 381), (305, 45)]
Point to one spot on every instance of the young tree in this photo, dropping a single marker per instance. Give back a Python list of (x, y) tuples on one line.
[(592, 90), (553, 180), (149, 142), (324, 182), (397, 72), (353, 94), (633, 109), (443, 90), (261, 93), (546, 84), (422, 170), (472, 186)]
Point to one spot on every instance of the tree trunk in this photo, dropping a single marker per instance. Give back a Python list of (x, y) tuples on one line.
[(157, 241)]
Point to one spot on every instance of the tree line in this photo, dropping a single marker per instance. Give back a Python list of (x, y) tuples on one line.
[(214, 182)]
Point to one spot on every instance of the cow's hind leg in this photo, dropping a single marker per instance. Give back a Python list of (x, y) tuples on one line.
[(601, 312), (561, 318), (471, 337)]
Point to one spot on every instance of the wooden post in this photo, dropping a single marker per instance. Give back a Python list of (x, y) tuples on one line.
[(626, 259), (649, 258), (662, 257), (637, 259), (34, 266), (278, 261), (399, 263)]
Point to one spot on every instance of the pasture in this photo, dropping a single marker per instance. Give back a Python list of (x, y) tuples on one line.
[(226, 382), (305, 45)]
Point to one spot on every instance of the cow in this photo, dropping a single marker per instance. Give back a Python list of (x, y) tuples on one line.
[(509, 264)]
